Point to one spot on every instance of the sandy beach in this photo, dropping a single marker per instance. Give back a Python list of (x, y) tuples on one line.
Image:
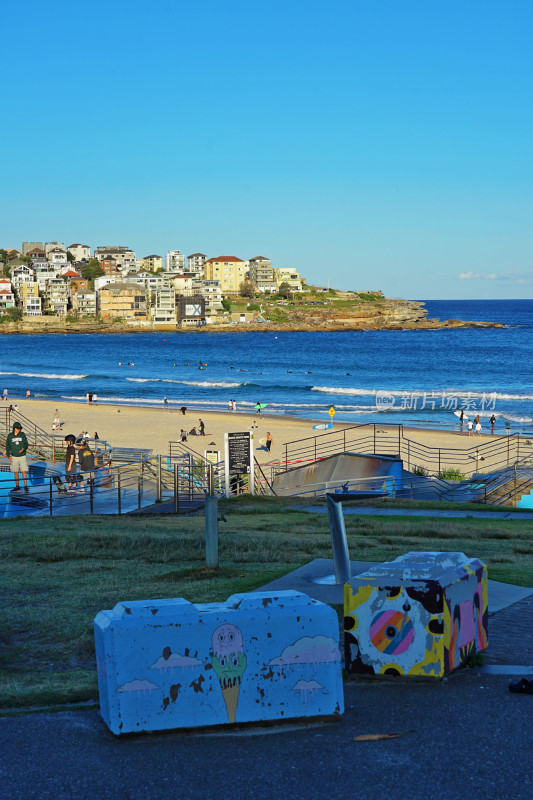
[(153, 428)]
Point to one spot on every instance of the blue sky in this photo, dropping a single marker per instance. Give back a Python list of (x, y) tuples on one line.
[(378, 145)]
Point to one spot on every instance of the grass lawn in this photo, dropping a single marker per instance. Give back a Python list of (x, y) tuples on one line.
[(58, 573)]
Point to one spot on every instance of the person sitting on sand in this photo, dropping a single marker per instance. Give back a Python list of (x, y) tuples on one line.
[(192, 432)]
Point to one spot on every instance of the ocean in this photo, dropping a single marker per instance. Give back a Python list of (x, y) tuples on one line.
[(416, 378)]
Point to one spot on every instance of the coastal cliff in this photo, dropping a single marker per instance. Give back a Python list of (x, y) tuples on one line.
[(346, 311)]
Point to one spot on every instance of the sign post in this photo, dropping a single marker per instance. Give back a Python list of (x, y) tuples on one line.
[(331, 413), (238, 453)]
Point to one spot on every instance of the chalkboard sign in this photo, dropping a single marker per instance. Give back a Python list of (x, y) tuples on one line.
[(238, 453)]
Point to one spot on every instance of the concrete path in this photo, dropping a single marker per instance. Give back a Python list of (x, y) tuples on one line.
[(419, 512)]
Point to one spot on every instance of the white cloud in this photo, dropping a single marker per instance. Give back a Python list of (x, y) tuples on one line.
[(518, 277)]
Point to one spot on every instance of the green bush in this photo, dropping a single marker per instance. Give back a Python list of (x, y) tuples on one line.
[(452, 474)]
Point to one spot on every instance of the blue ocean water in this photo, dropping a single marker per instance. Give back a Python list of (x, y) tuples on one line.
[(412, 377)]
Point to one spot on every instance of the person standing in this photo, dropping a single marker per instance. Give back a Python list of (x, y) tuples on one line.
[(95, 398), (70, 462), (16, 449), (470, 425), (86, 461), (202, 427), (269, 440), (28, 394), (165, 402), (5, 394), (492, 423), (508, 427)]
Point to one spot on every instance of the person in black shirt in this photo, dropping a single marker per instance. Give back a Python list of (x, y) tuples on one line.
[(71, 468), (86, 461)]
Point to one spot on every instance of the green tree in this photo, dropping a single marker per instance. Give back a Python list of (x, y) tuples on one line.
[(92, 270), (15, 314), (70, 257), (247, 289), (226, 304), (284, 290)]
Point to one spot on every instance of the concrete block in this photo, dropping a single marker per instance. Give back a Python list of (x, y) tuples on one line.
[(167, 664), (422, 614)]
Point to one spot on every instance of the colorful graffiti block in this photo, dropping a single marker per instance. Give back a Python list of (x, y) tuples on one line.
[(260, 656), (422, 614)]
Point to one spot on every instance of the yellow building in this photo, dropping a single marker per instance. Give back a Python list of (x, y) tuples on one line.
[(229, 271), (125, 300), (152, 263)]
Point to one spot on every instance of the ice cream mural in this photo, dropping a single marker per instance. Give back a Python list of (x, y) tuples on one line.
[(167, 664), (229, 663)]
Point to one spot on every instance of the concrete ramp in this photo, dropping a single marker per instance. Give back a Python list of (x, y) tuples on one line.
[(342, 468)]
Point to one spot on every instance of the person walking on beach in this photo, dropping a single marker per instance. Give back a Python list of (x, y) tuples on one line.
[(4, 395), (16, 448), (183, 435), (477, 421), (470, 425), (202, 427), (95, 398), (165, 402), (230, 405), (234, 408), (492, 423), (508, 427), (269, 440), (461, 417), (28, 394)]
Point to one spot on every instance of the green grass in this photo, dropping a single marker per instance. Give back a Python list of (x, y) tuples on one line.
[(58, 575)]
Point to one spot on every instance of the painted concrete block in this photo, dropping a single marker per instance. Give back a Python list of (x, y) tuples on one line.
[(166, 664), (422, 614)]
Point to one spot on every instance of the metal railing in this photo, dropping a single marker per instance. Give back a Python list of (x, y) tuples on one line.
[(496, 453)]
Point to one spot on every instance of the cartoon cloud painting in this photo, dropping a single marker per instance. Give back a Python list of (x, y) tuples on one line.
[(229, 663)]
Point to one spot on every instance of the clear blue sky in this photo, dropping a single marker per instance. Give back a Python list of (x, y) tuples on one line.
[(378, 144)]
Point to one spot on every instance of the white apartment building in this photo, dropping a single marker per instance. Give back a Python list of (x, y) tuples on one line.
[(164, 309), (20, 275), (44, 273), (84, 303), (81, 252), (56, 294), (174, 261), (32, 306), (57, 257), (196, 265), (210, 291)]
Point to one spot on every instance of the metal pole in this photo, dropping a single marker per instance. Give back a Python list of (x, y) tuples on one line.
[(211, 531), (53, 449), (341, 558), (158, 487), (176, 489), (139, 488), (51, 514), (374, 438), (118, 490), (91, 495)]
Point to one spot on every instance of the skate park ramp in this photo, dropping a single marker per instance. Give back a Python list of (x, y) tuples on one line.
[(338, 469)]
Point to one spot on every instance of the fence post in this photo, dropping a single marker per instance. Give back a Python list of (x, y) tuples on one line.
[(118, 490), (139, 490), (53, 449), (341, 558), (211, 531), (158, 487), (344, 434), (91, 494), (176, 489), (51, 494), (374, 438), (439, 460)]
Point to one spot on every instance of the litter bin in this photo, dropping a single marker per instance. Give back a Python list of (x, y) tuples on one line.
[(422, 614)]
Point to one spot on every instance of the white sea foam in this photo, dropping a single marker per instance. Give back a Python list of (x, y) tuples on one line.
[(430, 393), (201, 384), (51, 375)]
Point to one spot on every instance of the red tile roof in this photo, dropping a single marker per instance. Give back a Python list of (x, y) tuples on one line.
[(225, 259)]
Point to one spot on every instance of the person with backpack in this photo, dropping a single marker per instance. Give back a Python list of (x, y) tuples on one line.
[(16, 449)]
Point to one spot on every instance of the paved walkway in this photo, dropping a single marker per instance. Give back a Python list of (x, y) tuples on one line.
[(419, 512)]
